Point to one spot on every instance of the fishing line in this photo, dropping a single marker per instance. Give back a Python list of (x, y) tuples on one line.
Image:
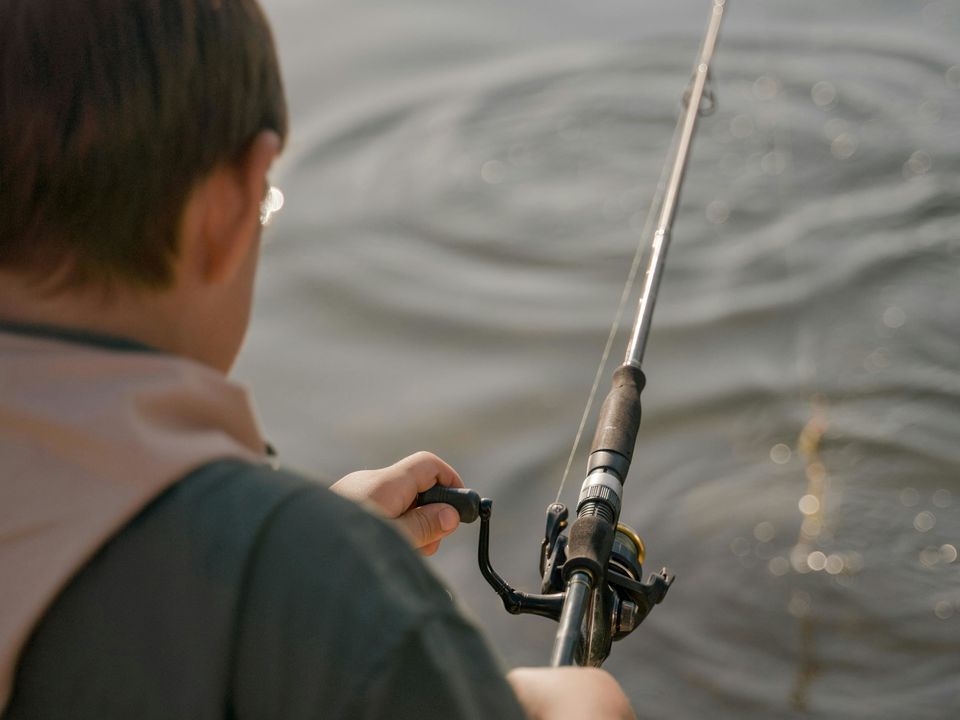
[(642, 244)]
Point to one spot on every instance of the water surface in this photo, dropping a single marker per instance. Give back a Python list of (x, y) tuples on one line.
[(466, 185)]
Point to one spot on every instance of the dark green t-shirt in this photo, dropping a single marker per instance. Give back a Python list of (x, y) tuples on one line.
[(248, 593)]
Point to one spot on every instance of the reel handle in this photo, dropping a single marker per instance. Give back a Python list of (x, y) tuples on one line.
[(464, 501)]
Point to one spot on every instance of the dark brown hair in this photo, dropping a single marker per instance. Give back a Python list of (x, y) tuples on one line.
[(110, 112)]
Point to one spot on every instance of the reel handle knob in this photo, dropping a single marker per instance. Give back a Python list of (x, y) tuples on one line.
[(466, 502)]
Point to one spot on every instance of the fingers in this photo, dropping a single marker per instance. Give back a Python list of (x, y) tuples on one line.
[(426, 470), (570, 693), (393, 490), (426, 526), (428, 550)]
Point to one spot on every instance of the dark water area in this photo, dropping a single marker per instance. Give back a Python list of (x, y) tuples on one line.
[(466, 185)]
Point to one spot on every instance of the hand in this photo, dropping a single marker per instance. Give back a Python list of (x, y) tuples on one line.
[(393, 492), (570, 693)]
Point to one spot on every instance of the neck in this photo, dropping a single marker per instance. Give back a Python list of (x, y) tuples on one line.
[(144, 316)]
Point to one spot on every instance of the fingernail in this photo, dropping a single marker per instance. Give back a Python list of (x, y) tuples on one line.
[(448, 519)]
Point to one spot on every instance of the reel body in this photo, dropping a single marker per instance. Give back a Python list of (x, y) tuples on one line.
[(616, 606)]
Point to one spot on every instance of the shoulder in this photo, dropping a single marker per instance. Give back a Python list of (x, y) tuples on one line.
[(146, 628), (303, 546), (326, 575), (342, 618), (262, 590)]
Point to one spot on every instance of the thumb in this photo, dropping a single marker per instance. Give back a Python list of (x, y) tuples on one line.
[(429, 523)]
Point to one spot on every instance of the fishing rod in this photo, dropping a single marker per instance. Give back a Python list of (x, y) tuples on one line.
[(591, 576)]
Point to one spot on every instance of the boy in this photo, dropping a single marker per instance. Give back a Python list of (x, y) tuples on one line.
[(154, 562)]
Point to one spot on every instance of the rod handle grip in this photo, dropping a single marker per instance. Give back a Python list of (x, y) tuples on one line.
[(619, 419)]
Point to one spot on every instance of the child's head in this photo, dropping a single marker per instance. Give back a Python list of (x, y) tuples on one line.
[(112, 114)]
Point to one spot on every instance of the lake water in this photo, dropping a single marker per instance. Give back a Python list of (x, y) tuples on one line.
[(466, 184)]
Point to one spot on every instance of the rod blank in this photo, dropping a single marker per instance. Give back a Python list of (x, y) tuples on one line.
[(671, 197), (571, 620)]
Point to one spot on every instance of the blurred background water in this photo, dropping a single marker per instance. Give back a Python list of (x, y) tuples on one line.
[(465, 187)]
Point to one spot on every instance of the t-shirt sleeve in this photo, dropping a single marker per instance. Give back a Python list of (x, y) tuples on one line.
[(439, 670), (339, 618)]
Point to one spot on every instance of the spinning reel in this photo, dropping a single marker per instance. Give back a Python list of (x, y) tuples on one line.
[(617, 606)]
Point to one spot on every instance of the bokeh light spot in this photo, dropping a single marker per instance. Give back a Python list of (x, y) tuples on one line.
[(834, 127), (766, 87), (924, 521), (781, 454), (909, 497), (764, 531), (844, 146), (798, 560), (919, 163), (930, 111), (930, 556), (876, 360), (943, 609), (740, 547), (823, 94), (811, 526), (809, 504), (894, 317), (834, 565), (778, 566), (817, 561), (718, 212), (942, 498)]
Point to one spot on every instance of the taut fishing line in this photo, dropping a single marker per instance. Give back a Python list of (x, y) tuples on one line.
[(642, 245)]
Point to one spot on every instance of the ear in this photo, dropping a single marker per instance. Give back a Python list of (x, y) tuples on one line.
[(231, 230)]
